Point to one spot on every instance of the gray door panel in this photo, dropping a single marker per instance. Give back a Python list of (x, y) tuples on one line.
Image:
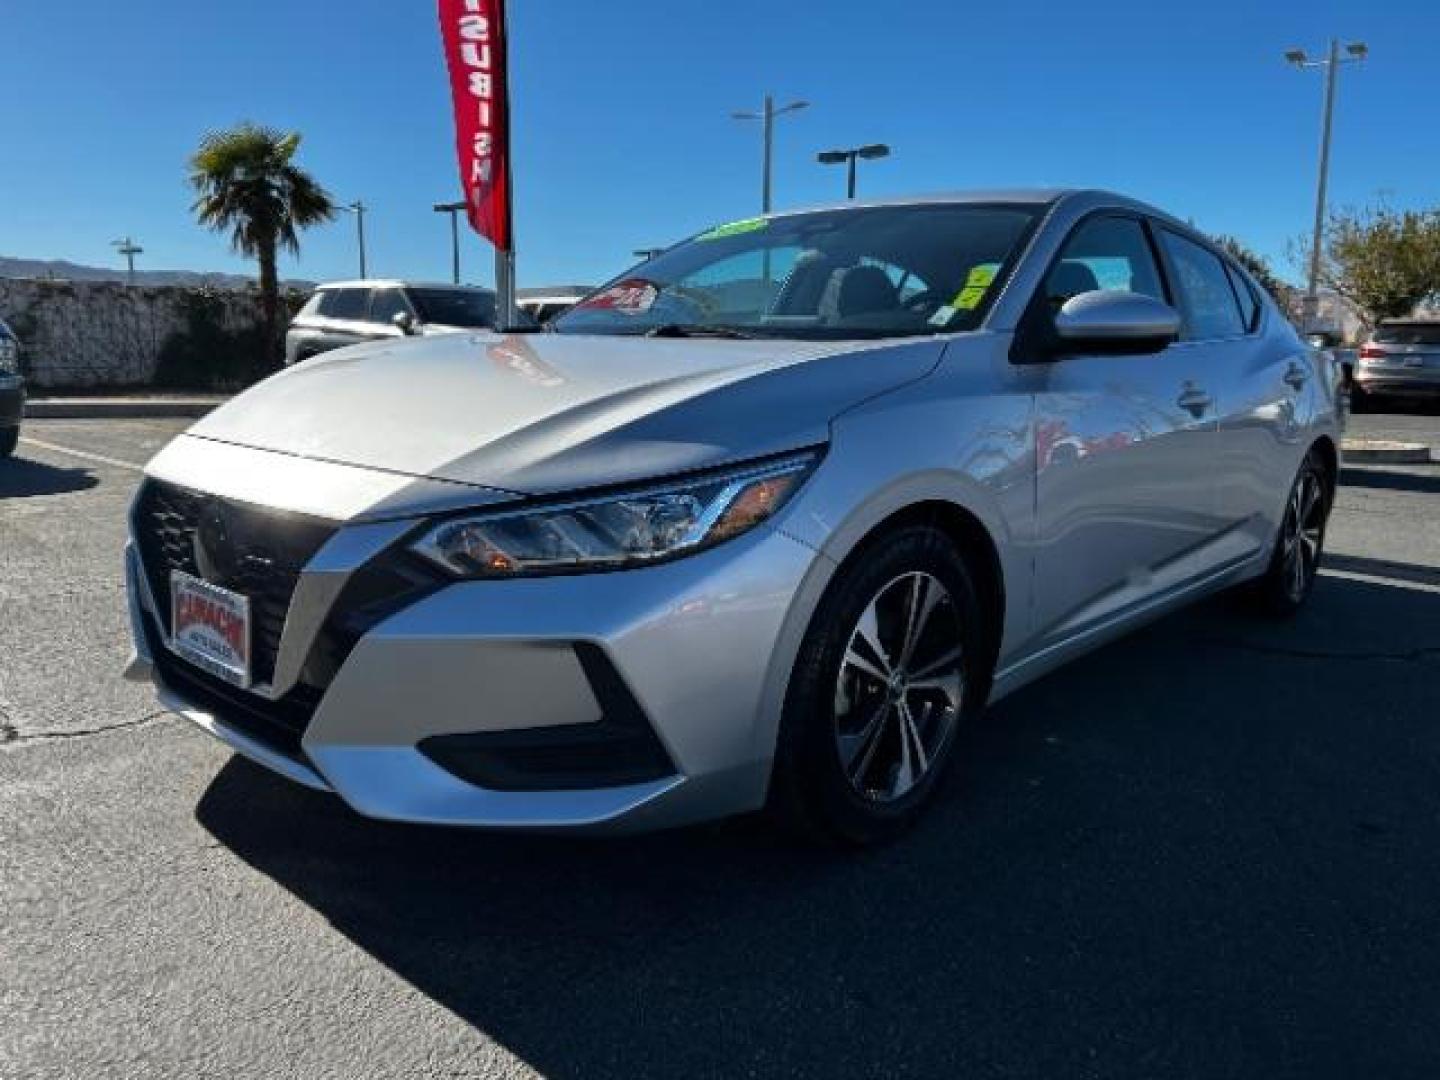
[(1124, 483), (1264, 385)]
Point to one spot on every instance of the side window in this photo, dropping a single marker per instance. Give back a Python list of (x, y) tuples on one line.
[(1245, 293), (344, 303), (1103, 254), (1206, 298), (385, 304)]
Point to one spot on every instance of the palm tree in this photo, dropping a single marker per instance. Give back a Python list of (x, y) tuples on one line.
[(246, 182)]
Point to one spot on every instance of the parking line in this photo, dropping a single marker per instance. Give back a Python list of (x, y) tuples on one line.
[(100, 458)]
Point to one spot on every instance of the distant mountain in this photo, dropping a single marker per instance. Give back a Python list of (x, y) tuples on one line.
[(68, 271)]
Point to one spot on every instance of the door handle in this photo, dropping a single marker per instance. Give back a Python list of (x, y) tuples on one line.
[(1195, 400), (1295, 375)]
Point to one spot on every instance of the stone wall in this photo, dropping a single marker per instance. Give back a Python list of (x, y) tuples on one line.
[(104, 334)]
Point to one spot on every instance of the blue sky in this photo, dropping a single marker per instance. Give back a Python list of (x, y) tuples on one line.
[(623, 135)]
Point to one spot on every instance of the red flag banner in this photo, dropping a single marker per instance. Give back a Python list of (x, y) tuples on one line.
[(474, 35)]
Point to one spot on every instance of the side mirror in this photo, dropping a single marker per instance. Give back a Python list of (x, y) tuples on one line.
[(1115, 322), (404, 322)]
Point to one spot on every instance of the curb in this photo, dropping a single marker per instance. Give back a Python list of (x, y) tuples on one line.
[(119, 408), (1380, 452)]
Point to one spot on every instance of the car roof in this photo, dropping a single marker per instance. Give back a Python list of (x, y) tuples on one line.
[(1036, 196), (396, 283), (1021, 196)]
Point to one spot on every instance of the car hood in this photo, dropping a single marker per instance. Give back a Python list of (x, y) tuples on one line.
[(535, 413)]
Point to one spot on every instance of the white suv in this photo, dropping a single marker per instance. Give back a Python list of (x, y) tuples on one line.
[(351, 312)]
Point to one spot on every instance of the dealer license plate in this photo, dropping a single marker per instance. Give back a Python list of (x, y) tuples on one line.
[(210, 627)]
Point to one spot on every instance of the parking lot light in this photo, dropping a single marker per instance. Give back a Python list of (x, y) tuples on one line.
[(767, 116), (358, 208), (129, 249), (453, 209), (849, 157), (1356, 51)]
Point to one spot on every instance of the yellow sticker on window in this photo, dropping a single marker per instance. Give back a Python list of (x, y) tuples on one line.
[(968, 298), (981, 276)]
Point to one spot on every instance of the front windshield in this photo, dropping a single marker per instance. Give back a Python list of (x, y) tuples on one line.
[(454, 307), (869, 272)]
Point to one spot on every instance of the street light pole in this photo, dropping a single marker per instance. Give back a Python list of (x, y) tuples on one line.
[(453, 209), (767, 116), (849, 157), (358, 209), (1357, 51), (129, 249)]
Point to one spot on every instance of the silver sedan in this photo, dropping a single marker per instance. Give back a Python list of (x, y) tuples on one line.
[(759, 524)]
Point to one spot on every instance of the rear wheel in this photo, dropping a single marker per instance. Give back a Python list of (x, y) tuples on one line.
[(1291, 576), (9, 439), (892, 665)]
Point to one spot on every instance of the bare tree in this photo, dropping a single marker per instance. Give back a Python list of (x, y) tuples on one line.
[(1386, 262)]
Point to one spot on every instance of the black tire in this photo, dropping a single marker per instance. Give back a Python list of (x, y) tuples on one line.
[(1285, 587), (9, 439), (812, 790)]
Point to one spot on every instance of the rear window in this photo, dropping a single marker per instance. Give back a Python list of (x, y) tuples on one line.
[(1411, 334), (455, 307), (344, 303)]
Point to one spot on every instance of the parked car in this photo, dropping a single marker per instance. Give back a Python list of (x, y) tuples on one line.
[(352, 312), (1401, 359), (12, 391), (545, 303), (764, 522)]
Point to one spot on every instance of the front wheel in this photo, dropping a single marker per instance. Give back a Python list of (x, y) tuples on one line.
[(9, 439), (1288, 582), (891, 667)]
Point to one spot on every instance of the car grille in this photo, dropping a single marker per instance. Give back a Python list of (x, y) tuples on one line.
[(250, 550)]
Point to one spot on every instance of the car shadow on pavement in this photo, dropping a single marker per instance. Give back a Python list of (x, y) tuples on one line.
[(1391, 481), (22, 478), (1211, 850)]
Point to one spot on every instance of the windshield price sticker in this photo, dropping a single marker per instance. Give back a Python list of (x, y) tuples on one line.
[(977, 284), (982, 276), (968, 298)]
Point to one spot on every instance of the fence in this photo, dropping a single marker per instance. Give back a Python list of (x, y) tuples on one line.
[(103, 334)]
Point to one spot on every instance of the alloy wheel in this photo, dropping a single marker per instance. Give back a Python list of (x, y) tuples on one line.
[(900, 687), (1302, 534)]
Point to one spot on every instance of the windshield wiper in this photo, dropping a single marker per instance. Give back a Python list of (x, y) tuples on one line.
[(696, 330)]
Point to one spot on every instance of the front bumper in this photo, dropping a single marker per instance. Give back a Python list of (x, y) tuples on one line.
[(698, 650), (12, 400)]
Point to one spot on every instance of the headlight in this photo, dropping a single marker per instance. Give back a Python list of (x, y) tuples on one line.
[(9, 358), (618, 530)]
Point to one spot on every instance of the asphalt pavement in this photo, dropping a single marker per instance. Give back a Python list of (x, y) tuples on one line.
[(1210, 850)]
